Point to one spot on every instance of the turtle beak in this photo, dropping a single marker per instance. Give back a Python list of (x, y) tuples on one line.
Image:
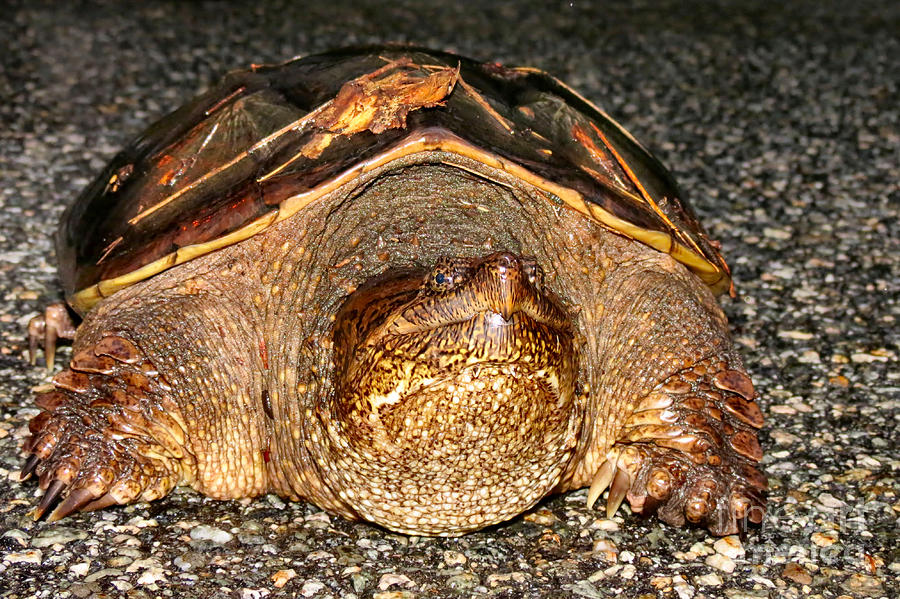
[(510, 284), (507, 283)]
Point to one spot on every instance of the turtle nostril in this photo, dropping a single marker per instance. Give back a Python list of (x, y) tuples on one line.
[(507, 261), (533, 273)]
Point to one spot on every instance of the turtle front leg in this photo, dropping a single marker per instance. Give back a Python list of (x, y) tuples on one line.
[(109, 433), (166, 387), (672, 420), (689, 452)]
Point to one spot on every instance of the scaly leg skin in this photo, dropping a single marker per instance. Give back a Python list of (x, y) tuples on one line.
[(109, 433), (45, 329), (689, 452), (675, 424)]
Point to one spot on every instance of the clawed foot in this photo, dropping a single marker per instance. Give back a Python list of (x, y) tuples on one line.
[(86, 469), (104, 436), (689, 454), (45, 329), (679, 491)]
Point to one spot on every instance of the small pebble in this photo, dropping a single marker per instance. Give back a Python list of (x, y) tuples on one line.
[(454, 558), (123, 585), (709, 580), (463, 581), (682, 588), (281, 577), (605, 524), (32, 556), (721, 562), (57, 534), (829, 500), (311, 587), (211, 534), (796, 573), (606, 549), (730, 546), (389, 580), (824, 539), (394, 595), (542, 516), (100, 574)]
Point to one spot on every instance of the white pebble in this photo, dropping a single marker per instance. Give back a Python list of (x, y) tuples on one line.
[(123, 585), (682, 588), (211, 533), (709, 580), (311, 587), (32, 556), (829, 500), (721, 562), (730, 547), (151, 576), (389, 580)]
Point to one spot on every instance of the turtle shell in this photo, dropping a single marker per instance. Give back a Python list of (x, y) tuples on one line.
[(265, 142)]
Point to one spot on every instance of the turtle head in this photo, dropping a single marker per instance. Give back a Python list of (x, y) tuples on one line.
[(455, 404)]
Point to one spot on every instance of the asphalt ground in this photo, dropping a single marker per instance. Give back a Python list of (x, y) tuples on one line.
[(780, 120)]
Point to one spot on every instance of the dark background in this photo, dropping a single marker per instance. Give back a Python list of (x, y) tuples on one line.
[(780, 120)]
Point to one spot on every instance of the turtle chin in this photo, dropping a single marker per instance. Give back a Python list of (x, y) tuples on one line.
[(448, 421)]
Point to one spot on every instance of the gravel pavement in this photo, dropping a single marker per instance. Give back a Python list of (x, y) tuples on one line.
[(779, 119)]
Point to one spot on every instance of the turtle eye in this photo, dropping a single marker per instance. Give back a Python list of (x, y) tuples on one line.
[(441, 280), (447, 274)]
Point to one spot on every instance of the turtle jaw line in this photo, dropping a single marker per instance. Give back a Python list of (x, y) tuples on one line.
[(402, 326)]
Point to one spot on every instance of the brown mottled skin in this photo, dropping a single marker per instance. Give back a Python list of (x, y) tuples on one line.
[(433, 349)]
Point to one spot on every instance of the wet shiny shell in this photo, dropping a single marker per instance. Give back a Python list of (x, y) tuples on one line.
[(268, 141)]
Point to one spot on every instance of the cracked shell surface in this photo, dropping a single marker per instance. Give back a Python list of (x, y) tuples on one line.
[(266, 142)]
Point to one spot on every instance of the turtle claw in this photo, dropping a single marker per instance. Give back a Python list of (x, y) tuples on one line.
[(50, 496), (29, 467), (98, 504), (89, 472), (76, 500), (601, 480), (617, 492), (46, 329), (104, 436)]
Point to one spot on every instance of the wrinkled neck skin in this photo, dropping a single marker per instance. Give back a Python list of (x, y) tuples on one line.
[(455, 404)]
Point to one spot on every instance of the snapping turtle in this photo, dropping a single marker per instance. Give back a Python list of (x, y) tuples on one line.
[(406, 286)]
